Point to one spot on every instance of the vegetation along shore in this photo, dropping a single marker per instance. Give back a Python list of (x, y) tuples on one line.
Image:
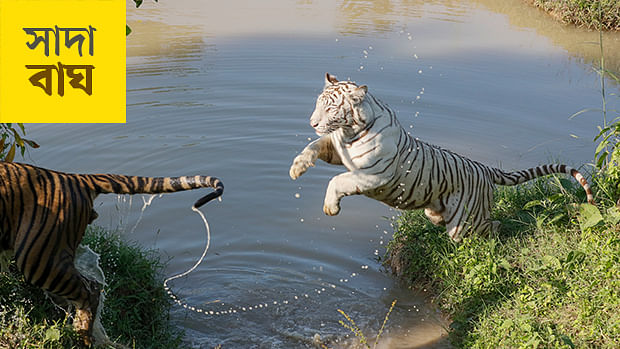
[(592, 14), (136, 311)]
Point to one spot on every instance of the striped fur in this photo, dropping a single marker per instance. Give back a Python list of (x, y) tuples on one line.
[(43, 216), (387, 164)]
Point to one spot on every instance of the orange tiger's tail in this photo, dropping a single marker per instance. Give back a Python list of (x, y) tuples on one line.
[(517, 177), (121, 184)]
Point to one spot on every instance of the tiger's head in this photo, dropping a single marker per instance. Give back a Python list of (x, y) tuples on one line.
[(340, 106)]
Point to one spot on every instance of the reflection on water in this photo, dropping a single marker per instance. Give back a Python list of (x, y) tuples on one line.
[(226, 89), (577, 42), (355, 18)]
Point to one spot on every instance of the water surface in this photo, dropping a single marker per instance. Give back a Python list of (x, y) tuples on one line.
[(227, 89)]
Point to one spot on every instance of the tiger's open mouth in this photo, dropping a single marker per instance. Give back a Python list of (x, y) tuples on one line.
[(321, 131)]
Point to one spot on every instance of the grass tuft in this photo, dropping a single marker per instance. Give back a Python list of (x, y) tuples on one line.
[(136, 308), (549, 278), (352, 326)]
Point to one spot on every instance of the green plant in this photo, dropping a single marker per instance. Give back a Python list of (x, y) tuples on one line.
[(136, 309), (11, 140), (607, 153), (27, 318), (350, 325), (549, 278)]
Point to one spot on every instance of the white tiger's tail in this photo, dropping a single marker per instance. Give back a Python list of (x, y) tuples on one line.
[(517, 177)]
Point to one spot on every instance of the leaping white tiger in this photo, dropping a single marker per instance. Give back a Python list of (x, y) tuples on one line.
[(385, 163)]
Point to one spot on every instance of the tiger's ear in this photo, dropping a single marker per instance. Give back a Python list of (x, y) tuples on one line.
[(358, 94), (330, 79)]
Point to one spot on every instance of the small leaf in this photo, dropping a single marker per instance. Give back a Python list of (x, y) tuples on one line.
[(583, 111), (601, 159), (589, 216), (551, 261), (52, 334), (556, 218), (11, 154), (18, 138), (532, 204), (601, 146), (567, 341), (32, 144), (558, 196), (575, 256), (504, 264), (566, 184), (613, 215)]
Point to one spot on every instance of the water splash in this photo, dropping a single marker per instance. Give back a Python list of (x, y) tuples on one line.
[(146, 203)]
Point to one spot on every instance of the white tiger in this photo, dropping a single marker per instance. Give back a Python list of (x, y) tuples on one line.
[(387, 164)]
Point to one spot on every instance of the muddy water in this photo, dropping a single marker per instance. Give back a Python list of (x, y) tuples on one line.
[(227, 90)]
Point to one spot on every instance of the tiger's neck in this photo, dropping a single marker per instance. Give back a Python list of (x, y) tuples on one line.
[(366, 114), (361, 147)]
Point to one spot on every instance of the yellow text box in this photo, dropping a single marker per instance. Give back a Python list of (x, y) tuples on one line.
[(62, 61)]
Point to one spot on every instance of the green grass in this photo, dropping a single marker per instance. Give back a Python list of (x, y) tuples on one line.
[(584, 13), (549, 278), (136, 308)]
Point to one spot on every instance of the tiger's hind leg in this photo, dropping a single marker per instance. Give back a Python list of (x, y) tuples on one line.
[(434, 212), (455, 222), (488, 227), (85, 314), (63, 282), (83, 294), (462, 223), (473, 214), (454, 214), (435, 217)]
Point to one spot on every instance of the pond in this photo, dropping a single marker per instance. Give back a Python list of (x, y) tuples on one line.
[(227, 90)]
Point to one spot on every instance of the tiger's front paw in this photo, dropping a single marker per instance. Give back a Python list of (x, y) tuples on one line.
[(331, 206), (331, 210), (300, 165)]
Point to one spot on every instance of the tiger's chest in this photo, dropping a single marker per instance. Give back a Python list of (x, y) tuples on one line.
[(368, 150)]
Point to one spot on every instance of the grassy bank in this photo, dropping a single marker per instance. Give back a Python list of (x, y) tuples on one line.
[(550, 278), (136, 307), (593, 14)]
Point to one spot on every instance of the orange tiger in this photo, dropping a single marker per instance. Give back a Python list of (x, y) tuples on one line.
[(43, 216)]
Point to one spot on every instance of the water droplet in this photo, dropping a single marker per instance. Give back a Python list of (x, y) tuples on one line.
[(297, 195)]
